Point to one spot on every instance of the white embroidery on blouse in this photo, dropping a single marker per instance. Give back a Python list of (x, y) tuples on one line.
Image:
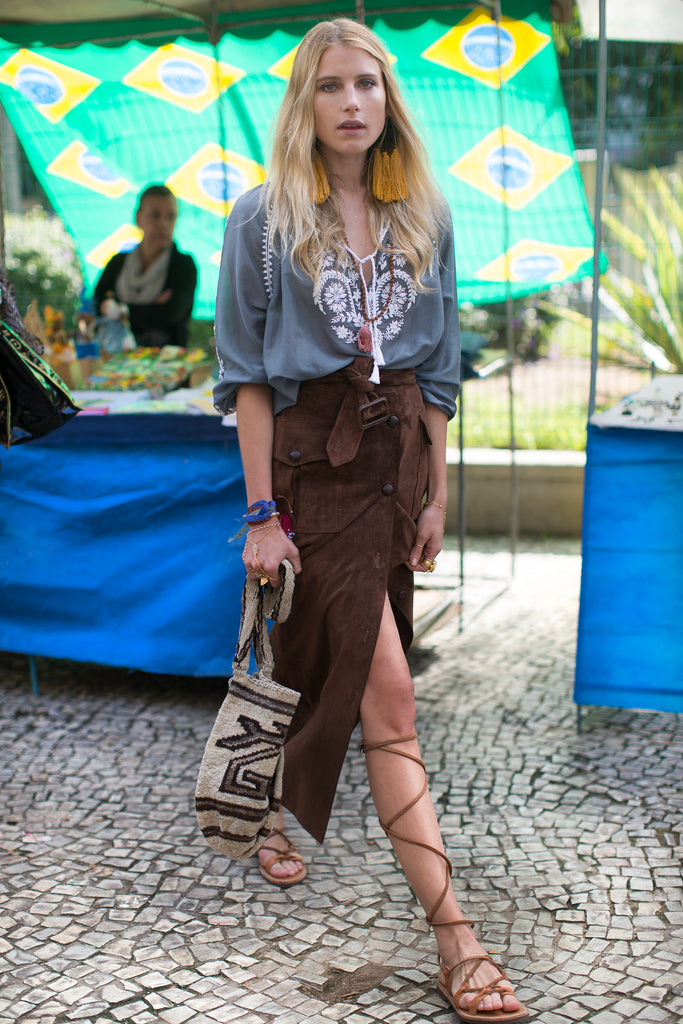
[(267, 257), (339, 297)]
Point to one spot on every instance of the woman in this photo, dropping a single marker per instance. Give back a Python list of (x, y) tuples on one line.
[(337, 335), (155, 280)]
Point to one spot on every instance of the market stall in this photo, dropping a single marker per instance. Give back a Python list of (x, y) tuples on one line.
[(114, 541), (630, 642)]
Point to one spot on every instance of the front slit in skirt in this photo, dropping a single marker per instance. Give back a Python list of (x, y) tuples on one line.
[(354, 496)]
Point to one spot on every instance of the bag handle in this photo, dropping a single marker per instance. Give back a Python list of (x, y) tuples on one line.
[(257, 603)]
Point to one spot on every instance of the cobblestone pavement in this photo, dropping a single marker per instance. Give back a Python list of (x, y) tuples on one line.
[(566, 847)]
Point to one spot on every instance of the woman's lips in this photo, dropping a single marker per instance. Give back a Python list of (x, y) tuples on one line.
[(351, 126)]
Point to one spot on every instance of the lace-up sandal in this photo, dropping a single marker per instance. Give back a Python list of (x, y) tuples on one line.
[(471, 1015), (278, 856)]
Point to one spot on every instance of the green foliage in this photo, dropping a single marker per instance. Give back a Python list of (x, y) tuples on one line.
[(42, 263), (487, 424), (647, 308), (532, 326)]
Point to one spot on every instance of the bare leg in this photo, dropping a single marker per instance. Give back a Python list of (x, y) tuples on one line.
[(398, 783)]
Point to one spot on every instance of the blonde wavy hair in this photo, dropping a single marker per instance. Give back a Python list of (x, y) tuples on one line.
[(308, 230)]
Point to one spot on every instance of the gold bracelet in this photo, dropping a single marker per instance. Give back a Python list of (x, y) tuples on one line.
[(442, 507), (266, 526)]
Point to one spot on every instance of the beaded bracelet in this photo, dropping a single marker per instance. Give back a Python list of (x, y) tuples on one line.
[(267, 525)]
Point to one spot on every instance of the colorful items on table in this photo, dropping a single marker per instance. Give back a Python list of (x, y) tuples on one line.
[(157, 370)]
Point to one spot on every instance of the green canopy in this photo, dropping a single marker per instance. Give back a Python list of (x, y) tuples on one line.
[(100, 121)]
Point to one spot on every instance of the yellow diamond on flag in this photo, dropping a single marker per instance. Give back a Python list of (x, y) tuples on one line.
[(182, 76), (213, 178), (123, 239), (510, 167), (79, 164), (533, 262), (479, 48), (53, 88), (216, 257), (282, 68)]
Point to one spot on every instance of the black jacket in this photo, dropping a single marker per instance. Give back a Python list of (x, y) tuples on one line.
[(171, 316)]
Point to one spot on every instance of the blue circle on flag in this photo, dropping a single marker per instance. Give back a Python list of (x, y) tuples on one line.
[(38, 85), (509, 167), (220, 182), (95, 167), (536, 266), (487, 48), (183, 77)]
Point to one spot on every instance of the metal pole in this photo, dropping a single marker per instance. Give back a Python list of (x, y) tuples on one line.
[(214, 36), (509, 327), (599, 189), (360, 11)]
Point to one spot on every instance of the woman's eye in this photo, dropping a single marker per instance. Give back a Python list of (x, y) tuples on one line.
[(327, 87), (367, 83)]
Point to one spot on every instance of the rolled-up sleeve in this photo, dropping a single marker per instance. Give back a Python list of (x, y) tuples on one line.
[(241, 302), (439, 375)]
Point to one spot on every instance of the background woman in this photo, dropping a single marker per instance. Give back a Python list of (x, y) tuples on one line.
[(155, 280), (337, 335)]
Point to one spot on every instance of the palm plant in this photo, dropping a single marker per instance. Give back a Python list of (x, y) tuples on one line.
[(647, 308)]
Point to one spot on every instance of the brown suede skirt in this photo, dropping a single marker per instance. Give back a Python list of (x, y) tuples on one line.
[(350, 462)]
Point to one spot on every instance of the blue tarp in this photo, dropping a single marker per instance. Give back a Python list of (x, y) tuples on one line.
[(113, 544), (630, 636)]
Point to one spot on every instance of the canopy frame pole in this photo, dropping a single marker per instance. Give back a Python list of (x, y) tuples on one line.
[(214, 39), (509, 325), (599, 194)]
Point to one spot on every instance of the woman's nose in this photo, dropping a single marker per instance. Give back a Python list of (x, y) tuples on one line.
[(351, 99)]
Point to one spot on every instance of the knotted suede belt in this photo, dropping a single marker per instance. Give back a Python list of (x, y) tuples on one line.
[(361, 407)]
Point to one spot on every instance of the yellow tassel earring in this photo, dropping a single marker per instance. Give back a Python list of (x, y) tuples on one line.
[(387, 176), (321, 192)]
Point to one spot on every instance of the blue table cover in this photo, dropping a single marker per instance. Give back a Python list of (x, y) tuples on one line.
[(630, 630), (114, 543)]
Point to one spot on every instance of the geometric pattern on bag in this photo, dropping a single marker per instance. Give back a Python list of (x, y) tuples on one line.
[(239, 785)]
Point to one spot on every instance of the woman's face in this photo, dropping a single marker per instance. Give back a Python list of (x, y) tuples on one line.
[(350, 102), (156, 219)]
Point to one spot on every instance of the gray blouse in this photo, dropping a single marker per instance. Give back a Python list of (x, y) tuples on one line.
[(271, 328)]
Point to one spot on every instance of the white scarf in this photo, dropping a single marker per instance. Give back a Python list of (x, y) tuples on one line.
[(137, 286)]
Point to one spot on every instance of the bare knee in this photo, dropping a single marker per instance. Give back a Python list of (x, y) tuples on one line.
[(388, 707)]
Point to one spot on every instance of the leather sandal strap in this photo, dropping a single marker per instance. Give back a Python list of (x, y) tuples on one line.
[(291, 853), (481, 991), (443, 924), (278, 858), (388, 746)]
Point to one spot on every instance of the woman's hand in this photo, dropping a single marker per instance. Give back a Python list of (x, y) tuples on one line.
[(265, 550), (429, 539)]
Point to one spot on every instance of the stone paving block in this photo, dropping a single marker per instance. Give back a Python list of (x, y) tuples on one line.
[(566, 848)]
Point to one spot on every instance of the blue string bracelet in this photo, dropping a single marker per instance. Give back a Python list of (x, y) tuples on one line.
[(257, 512)]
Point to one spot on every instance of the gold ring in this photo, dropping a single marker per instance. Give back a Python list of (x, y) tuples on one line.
[(429, 564)]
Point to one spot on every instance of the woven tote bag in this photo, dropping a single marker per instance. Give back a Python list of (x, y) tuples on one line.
[(239, 785)]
